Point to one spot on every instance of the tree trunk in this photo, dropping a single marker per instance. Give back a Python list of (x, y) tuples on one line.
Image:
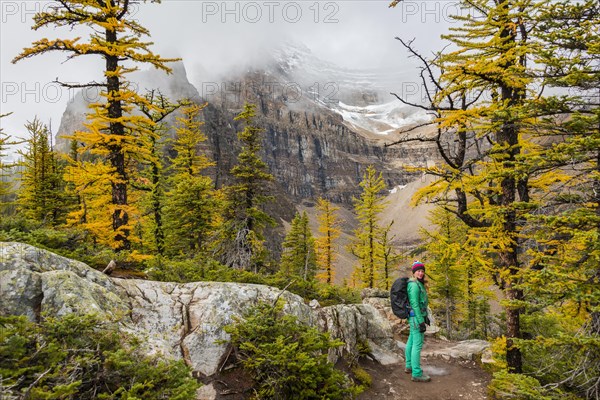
[(159, 235), (508, 135), (120, 218)]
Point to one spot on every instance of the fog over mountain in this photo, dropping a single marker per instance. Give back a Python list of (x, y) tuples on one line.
[(292, 72), (215, 39)]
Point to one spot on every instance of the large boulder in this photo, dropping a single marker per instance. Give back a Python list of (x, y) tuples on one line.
[(187, 320), (470, 350), (33, 281), (181, 321), (358, 326)]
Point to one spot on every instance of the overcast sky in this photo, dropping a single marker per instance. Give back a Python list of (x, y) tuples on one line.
[(213, 36)]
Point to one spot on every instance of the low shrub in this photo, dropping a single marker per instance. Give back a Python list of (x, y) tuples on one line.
[(362, 376), (287, 360), (81, 357), (509, 386)]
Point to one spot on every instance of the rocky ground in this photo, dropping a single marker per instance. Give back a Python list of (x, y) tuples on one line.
[(451, 379)]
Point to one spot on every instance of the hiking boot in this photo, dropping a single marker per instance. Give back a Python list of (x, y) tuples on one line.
[(422, 378), (408, 370)]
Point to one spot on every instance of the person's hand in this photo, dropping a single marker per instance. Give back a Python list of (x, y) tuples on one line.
[(427, 321), (422, 327)]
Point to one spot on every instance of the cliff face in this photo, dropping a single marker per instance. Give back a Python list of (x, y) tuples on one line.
[(310, 151), (322, 128)]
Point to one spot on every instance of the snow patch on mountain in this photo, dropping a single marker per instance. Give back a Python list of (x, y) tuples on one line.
[(381, 119), (396, 188), (360, 96)]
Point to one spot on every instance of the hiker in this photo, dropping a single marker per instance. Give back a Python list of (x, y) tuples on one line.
[(417, 319)]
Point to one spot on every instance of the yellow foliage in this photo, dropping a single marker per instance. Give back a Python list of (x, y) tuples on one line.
[(499, 352), (325, 243)]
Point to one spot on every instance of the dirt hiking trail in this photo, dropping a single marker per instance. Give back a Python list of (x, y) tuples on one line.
[(450, 380)]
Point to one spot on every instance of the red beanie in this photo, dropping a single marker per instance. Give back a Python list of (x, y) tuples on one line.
[(417, 265)]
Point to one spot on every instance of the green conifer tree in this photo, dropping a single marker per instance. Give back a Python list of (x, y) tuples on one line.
[(564, 280), (299, 256), (241, 242), (152, 173), (191, 205), (41, 193)]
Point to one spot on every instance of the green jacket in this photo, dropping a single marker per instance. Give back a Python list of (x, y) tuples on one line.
[(417, 297)]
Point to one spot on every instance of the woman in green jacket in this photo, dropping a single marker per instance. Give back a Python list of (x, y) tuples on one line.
[(417, 297)]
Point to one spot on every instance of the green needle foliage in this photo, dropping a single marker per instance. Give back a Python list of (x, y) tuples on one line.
[(242, 241), (82, 357), (153, 172), (288, 360), (41, 195), (191, 204), (299, 258)]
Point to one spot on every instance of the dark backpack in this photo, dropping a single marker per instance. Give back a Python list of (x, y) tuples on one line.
[(399, 298)]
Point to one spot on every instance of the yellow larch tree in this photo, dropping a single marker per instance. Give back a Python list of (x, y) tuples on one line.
[(111, 139), (325, 243), (478, 89), (367, 243), (510, 166)]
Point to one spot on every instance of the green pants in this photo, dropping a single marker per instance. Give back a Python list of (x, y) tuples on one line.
[(412, 353)]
